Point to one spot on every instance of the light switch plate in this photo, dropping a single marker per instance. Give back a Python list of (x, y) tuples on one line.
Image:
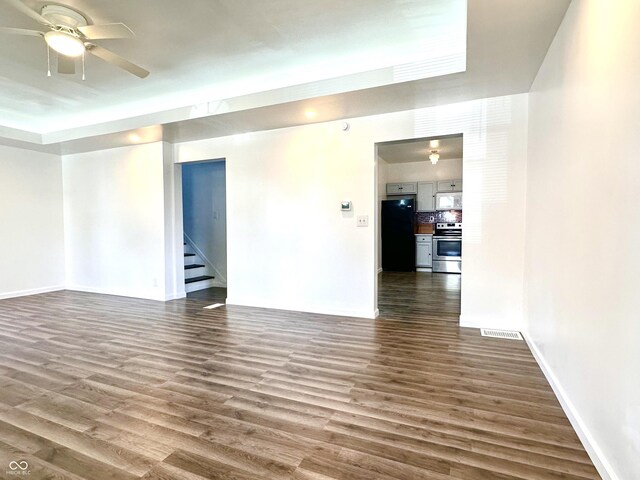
[(363, 220)]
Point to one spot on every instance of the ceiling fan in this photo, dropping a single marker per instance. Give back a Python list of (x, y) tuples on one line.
[(71, 36)]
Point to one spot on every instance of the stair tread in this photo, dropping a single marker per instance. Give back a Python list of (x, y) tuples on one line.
[(189, 254), (195, 265), (198, 279)]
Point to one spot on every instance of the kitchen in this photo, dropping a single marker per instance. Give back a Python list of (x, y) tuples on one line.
[(420, 223)]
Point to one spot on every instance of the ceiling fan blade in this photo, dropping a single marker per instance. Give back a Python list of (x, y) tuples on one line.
[(21, 31), (107, 30), (66, 65), (18, 5), (117, 60)]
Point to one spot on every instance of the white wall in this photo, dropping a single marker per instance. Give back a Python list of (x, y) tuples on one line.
[(114, 206), (31, 222), (284, 188), (583, 260), (205, 212), (288, 244), (449, 169), (173, 223), (382, 171)]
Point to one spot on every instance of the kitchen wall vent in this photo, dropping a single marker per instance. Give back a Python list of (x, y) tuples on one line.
[(509, 334)]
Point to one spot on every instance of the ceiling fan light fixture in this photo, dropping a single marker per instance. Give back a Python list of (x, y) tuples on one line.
[(434, 157), (64, 44)]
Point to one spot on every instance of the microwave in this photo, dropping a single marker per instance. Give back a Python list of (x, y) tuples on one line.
[(449, 201)]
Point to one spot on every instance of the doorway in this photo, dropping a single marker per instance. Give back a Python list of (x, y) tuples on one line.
[(204, 214), (419, 227)]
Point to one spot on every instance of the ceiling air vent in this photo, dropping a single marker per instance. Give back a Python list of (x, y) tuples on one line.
[(509, 334)]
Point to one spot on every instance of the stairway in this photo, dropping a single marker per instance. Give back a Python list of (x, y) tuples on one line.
[(195, 272)]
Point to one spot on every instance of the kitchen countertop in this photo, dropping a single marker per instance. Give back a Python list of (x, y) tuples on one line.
[(426, 229)]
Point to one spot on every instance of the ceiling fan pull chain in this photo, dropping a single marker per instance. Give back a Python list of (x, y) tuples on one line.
[(48, 61), (83, 77)]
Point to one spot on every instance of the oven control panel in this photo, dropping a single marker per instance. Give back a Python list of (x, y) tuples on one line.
[(449, 226)]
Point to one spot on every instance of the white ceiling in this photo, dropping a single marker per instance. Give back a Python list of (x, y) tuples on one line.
[(405, 151), (506, 43), (202, 50)]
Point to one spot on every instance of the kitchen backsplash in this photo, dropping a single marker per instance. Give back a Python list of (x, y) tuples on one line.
[(449, 216)]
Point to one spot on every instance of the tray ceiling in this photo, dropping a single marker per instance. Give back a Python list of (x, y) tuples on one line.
[(203, 50), (225, 67)]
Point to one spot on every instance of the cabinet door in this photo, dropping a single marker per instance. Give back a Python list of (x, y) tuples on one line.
[(409, 188), (424, 254), (444, 185), (394, 189), (457, 185), (426, 202)]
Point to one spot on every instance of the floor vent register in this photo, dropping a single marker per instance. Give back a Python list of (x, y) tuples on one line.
[(508, 334)]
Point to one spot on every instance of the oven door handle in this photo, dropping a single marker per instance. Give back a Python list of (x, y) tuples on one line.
[(447, 238)]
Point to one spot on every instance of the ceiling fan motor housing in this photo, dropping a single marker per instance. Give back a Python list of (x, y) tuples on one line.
[(64, 16)]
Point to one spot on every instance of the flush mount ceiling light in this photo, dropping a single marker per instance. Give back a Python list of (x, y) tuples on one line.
[(434, 157), (310, 114), (64, 43)]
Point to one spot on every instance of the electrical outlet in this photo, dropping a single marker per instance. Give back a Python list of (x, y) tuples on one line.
[(363, 220)]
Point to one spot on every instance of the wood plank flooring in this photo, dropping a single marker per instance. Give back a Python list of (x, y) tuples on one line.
[(419, 294), (211, 295), (102, 387)]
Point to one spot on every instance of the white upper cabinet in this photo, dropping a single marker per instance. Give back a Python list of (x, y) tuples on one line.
[(426, 192), (401, 188), (450, 185)]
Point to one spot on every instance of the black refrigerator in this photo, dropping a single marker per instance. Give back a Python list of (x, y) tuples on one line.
[(398, 239)]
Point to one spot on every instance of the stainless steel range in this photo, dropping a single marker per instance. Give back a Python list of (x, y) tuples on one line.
[(447, 248)]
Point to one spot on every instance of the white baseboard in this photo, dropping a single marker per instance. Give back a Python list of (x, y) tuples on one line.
[(175, 296), (483, 321), (340, 312), (145, 295), (591, 446), (102, 291), (31, 291)]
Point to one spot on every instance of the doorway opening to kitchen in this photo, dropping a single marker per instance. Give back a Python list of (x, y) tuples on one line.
[(204, 217), (419, 227)]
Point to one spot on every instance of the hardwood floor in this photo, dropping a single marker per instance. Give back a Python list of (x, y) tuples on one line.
[(419, 294), (103, 387), (211, 295)]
